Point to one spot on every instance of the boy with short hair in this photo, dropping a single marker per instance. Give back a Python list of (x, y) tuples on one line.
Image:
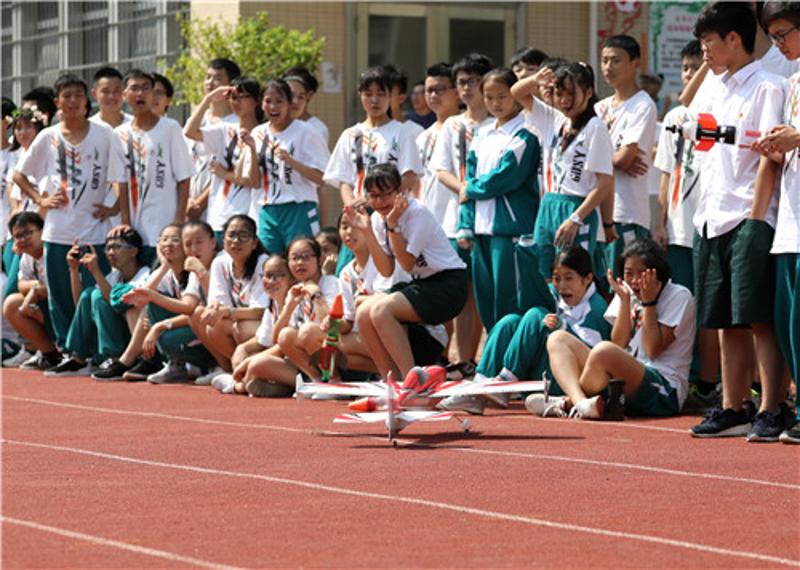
[(150, 164), (162, 94), (526, 61), (630, 116), (71, 159), (398, 92), (107, 91), (734, 273), (422, 113)]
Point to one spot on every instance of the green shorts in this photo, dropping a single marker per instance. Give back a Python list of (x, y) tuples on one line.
[(735, 277), (438, 298), (626, 233), (655, 397), (680, 265), (553, 211), (279, 224)]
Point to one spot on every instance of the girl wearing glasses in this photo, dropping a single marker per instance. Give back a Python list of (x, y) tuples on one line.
[(102, 325), (230, 193)]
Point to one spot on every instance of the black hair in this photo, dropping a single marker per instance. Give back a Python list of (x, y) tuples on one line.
[(250, 86), (203, 225), (723, 18), (652, 255), (576, 258), (331, 234), (312, 243), (581, 75), (441, 69), (71, 80), (692, 49), (107, 72), (473, 64), (501, 74), (279, 257), (137, 73), (158, 78), (24, 114), (132, 238), (397, 78), (45, 99), (554, 63), (229, 67), (302, 75), (183, 278), (626, 43), (280, 85), (374, 75), (528, 56), (25, 219), (8, 106), (252, 261), (384, 176), (772, 10)]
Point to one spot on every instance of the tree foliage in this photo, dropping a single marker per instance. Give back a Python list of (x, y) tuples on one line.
[(261, 50)]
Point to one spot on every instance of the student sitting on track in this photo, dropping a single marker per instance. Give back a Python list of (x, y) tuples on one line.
[(26, 310), (102, 323), (236, 297), (517, 345), (276, 280), (651, 343)]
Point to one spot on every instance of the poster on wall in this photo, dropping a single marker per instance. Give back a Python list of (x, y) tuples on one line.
[(671, 28)]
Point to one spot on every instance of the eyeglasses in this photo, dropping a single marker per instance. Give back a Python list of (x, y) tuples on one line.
[(469, 82), (139, 88), (23, 235), (438, 90), (275, 276), (780, 37), (169, 240), (238, 236), (302, 257), (116, 246)]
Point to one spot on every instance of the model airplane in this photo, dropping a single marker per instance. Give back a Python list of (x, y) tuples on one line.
[(705, 132), (400, 405)]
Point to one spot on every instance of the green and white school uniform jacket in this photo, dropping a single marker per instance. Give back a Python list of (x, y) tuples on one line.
[(586, 320), (502, 185)]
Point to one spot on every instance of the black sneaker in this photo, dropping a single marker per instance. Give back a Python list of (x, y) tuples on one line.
[(461, 370), (768, 426), (44, 361), (70, 367), (723, 423), (791, 435), (141, 370), (110, 370)]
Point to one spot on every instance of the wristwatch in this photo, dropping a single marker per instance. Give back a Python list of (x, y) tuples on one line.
[(575, 219)]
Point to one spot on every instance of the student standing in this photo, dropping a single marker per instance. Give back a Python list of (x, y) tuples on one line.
[(150, 165), (304, 86), (107, 91)]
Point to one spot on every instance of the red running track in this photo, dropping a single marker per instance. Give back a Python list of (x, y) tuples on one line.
[(133, 475)]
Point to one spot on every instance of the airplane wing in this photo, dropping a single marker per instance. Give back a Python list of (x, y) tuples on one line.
[(410, 416), (405, 416), (493, 387), (356, 389), (361, 418)]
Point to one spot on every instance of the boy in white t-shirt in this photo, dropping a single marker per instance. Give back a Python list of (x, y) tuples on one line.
[(630, 116), (150, 165), (734, 274), (107, 91), (71, 161)]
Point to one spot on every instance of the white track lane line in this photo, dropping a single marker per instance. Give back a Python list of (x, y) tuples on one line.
[(100, 541), (537, 456), (482, 513)]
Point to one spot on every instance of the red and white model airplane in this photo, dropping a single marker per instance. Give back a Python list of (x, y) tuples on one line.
[(400, 405)]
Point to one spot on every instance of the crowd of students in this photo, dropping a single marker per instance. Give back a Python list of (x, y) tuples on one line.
[(138, 249)]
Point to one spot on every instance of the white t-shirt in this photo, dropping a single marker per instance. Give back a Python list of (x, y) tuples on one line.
[(751, 100), (675, 309), (221, 141), (365, 146), (232, 291), (683, 191), (152, 163), (5, 207), (138, 280), (268, 319), (280, 183), (425, 240), (437, 197), (305, 313), (170, 285), (787, 228), (201, 159), (574, 170), (321, 128), (82, 172), (126, 119), (775, 62), (633, 121), (31, 269), (450, 154), (16, 191)]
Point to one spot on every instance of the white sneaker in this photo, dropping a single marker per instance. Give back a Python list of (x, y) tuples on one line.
[(205, 379), (471, 404), (588, 409), (16, 360), (172, 372), (540, 405), (499, 400), (224, 383)]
